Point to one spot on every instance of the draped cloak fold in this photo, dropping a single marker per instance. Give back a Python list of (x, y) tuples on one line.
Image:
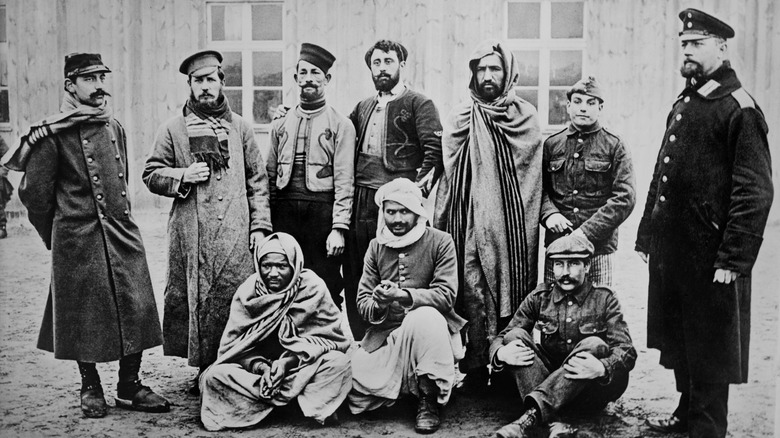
[(489, 200)]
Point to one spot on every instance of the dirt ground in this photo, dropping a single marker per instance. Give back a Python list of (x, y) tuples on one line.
[(39, 395)]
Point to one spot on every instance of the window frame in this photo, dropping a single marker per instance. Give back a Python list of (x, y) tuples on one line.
[(246, 47), (545, 45), (6, 126)]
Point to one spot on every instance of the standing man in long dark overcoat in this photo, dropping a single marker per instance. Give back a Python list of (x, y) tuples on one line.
[(206, 159), (101, 304), (702, 228)]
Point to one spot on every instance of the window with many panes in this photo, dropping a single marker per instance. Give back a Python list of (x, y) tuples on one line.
[(5, 113), (249, 36), (547, 38)]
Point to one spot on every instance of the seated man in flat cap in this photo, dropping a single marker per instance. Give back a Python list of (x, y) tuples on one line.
[(311, 165), (588, 181), (406, 294), (283, 341), (207, 160), (585, 353)]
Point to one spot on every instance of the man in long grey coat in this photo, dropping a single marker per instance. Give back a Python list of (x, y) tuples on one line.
[(101, 304), (207, 160)]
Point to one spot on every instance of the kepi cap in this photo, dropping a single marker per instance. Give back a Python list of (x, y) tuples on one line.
[(698, 25), (318, 56), (570, 247), (77, 64), (201, 63), (588, 86)]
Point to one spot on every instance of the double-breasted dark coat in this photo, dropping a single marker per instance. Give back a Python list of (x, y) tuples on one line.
[(706, 209), (101, 303)]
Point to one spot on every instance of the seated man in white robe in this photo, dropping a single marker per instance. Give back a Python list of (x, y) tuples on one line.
[(406, 293), (283, 341)]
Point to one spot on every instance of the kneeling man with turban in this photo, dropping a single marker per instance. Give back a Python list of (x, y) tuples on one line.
[(283, 341), (406, 293)]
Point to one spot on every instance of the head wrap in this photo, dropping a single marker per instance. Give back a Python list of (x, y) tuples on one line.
[(406, 193), (279, 243), (511, 72)]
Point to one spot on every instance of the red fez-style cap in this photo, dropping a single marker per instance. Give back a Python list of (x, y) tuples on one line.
[(587, 86), (77, 64), (318, 56), (201, 63), (699, 25)]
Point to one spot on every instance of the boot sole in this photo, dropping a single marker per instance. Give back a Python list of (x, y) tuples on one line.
[(94, 414), (128, 404)]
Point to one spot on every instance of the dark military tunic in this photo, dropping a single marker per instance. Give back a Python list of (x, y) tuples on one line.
[(101, 303), (706, 209)]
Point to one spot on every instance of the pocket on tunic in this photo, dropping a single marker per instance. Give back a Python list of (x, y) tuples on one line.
[(557, 175), (598, 179)]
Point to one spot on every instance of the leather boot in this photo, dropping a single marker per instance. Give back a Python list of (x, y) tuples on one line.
[(93, 403), (428, 420), (131, 394), (519, 427)]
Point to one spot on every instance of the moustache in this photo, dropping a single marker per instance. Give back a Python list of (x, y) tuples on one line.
[(383, 75), (565, 278), (205, 94), (309, 85), (99, 93)]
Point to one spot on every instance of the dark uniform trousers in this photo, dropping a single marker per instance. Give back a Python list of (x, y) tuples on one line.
[(304, 221), (365, 213), (544, 381)]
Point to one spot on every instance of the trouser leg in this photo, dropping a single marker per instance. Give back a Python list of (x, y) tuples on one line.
[(362, 230), (708, 410), (527, 378), (557, 392), (89, 375)]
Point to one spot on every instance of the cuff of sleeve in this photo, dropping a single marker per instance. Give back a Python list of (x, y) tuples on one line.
[(496, 364), (184, 189), (342, 227), (607, 378), (376, 319)]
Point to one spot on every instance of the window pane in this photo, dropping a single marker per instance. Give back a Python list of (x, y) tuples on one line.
[(528, 60), (4, 118), (3, 64), (3, 36), (267, 69), (565, 67), (558, 115), (567, 20), (226, 22), (231, 65), (531, 96), (265, 104), (267, 22), (523, 20), (235, 100)]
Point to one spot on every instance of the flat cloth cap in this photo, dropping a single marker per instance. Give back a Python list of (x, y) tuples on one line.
[(77, 64), (318, 56), (699, 25), (201, 63), (570, 247), (587, 86)]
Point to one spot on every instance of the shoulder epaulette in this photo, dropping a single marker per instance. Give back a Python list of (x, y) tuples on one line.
[(604, 287), (743, 98), (604, 128), (556, 133), (541, 288)]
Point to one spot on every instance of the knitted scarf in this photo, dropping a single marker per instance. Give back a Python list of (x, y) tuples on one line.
[(72, 113), (208, 132)]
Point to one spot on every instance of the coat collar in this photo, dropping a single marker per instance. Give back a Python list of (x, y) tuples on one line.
[(579, 295), (722, 82), (571, 130)]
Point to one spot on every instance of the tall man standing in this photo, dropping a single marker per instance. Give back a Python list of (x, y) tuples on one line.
[(398, 135), (490, 200), (207, 160), (702, 228), (311, 167), (101, 304), (588, 181), (6, 190)]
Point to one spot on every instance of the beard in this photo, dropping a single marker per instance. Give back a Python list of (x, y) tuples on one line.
[(206, 104), (489, 90), (384, 82), (691, 69), (311, 94)]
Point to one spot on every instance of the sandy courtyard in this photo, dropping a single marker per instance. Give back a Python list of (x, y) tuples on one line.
[(39, 395)]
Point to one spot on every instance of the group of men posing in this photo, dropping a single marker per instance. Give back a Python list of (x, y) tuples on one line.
[(257, 247)]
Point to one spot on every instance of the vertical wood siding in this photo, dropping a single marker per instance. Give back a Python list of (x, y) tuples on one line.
[(632, 48)]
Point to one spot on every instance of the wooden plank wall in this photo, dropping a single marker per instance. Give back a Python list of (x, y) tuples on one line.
[(632, 48)]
